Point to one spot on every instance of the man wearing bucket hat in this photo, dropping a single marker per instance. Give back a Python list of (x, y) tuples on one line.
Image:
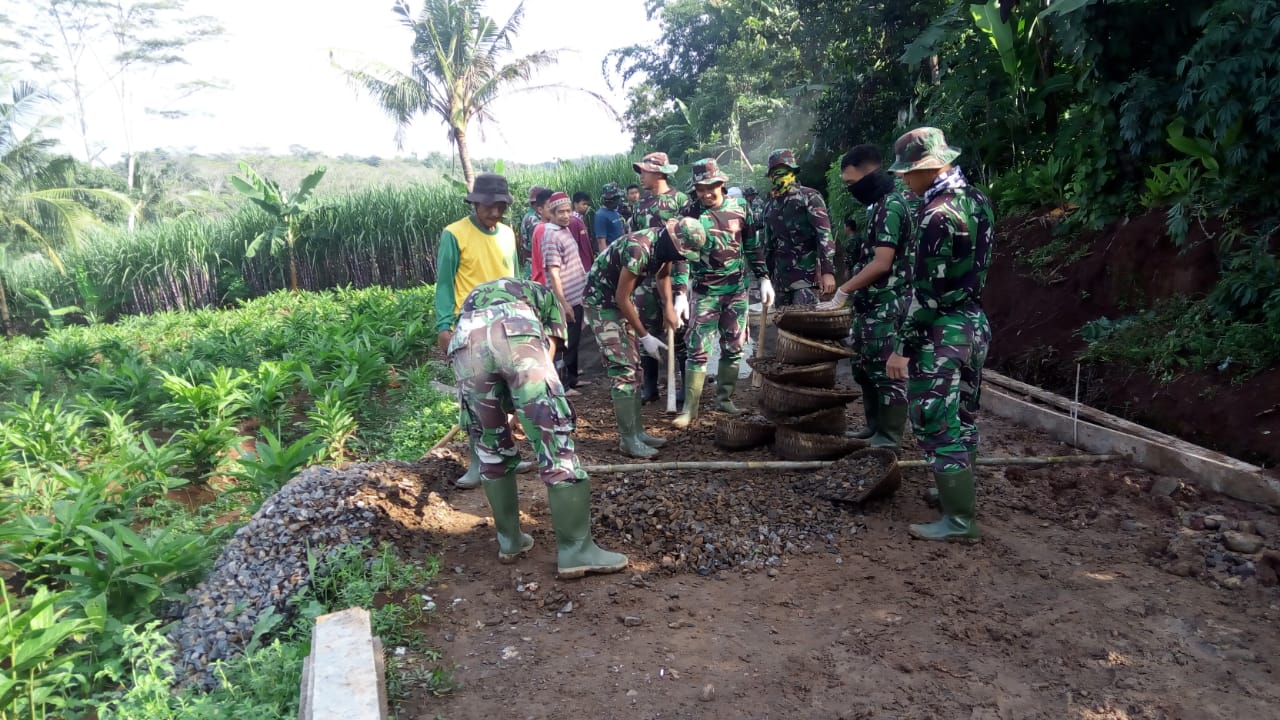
[(880, 259), (663, 203), (527, 223), (507, 331), (754, 203), (943, 343), (619, 328), (796, 235), (474, 250), (719, 277)]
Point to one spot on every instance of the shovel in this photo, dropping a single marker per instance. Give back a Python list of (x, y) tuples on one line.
[(671, 371)]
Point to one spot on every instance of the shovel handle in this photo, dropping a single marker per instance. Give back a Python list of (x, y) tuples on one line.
[(671, 370), (757, 379)]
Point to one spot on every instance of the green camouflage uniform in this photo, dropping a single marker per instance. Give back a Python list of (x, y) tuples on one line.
[(527, 224), (878, 310), (719, 277), (501, 352), (946, 333), (654, 212), (798, 244)]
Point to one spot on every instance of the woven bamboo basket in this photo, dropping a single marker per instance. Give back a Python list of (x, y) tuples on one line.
[(830, 421), (792, 348), (818, 324), (820, 375), (841, 483), (742, 433), (796, 400), (790, 444)]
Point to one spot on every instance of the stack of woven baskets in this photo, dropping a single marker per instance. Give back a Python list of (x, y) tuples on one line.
[(803, 409)]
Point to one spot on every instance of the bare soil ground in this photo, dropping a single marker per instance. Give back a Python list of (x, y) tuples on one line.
[(1097, 592)]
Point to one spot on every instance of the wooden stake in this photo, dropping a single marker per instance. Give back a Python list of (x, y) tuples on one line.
[(757, 379), (671, 371)]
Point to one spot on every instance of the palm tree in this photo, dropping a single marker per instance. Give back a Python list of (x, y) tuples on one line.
[(459, 68), (35, 211)]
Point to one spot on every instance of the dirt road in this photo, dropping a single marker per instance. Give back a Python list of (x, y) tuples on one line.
[(1097, 593)]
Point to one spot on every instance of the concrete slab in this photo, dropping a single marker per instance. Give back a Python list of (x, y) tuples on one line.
[(346, 681)]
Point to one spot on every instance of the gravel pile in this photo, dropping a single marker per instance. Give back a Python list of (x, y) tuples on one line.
[(707, 522), (265, 562)]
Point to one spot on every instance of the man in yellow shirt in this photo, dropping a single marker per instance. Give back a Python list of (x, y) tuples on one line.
[(474, 250)]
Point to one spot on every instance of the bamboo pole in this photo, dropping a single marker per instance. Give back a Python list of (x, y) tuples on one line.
[(819, 464)]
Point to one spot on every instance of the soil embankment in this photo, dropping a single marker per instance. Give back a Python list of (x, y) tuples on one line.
[(1037, 310)]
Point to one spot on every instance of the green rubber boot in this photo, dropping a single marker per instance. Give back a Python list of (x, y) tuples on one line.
[(506, 517), (931, 495), (958, 522), (626, 412), (646, 438), (693, 382), (726, 381), (471, 478), (576, 553), (891, 422), (870, 410)]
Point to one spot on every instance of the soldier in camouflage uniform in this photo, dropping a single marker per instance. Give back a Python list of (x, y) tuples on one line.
[(663, 204), (754, 203), (719, 277), (944, 338), (501, 350), (880, 260), (796, 236), (527, 223), (617, 323)]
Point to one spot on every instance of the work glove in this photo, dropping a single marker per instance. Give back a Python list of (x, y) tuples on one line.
[(766, 292), (653, 346), (840, 300), (681, 304)]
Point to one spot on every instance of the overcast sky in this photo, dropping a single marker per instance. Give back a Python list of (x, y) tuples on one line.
[(283, 91)]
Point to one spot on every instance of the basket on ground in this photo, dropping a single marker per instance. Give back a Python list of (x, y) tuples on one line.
[(811, 323), (790, 444), (830, 421), (860, 477), (796, 400), (736, 433), (799, 350), (822, 375)]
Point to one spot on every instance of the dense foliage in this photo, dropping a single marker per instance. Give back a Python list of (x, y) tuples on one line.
[(101, 425)]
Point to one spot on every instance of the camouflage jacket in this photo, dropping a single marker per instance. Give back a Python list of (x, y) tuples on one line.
[(654, 212), (527, 224), (956, 237), (796, 234), (890, 223), (635, 252), (523, 307), (731, 248)]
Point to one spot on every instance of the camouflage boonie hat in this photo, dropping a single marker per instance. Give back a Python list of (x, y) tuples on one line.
[(707, 172), (749, 191), (783, 157), (689, 238), (533, 193), (655, 162), (922, 149), (611, 191)]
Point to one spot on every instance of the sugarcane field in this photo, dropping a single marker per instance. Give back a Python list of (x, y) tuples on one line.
[(661, 360)]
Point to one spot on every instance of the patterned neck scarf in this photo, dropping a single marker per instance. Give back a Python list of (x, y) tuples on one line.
[(782, 184), (952, 179)]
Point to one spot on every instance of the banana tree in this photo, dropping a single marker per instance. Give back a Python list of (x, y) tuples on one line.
[(287, 211)]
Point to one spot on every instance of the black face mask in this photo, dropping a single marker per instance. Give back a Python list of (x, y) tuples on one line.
[(871, 187)]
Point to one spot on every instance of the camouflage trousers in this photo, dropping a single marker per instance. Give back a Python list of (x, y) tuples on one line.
[(619, 349), (723, 316), (873, 340), (649, 304), (807, 295), (945, 388), (499, 374)]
